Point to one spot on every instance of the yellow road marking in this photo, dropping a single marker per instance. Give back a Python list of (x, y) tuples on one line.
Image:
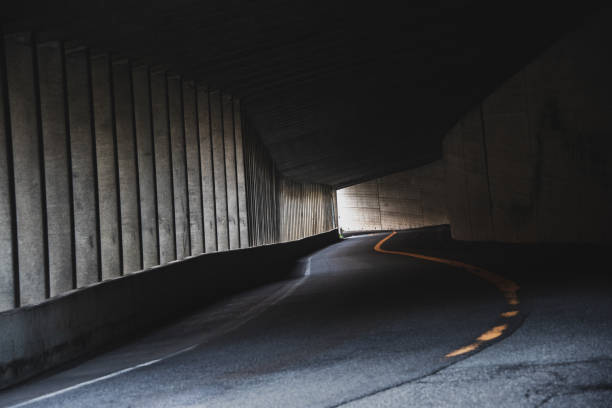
[(493, 333), (507, 287), (463, 350)]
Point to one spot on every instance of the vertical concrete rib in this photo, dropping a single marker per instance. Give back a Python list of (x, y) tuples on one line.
[(240, 177), (142, 119), (216, 121), (179, 173), (163, 166), (57, 166), (27, 167), (103, 111), (192, 149), (128, 177), (206, 161), (230, 172), (8, 282), (83, 162)]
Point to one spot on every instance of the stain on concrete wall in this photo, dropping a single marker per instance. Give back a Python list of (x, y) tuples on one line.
[(531, 163)]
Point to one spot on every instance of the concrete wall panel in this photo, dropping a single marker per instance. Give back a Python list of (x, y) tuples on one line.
[(146, 165), (208, 180), (230, 172), (409, 199), (179, 166), (27, 167), (7, 278), (128, 169), (194, 178), (240, 177), (163, 166), (57, 166), (83, 166), (108, 172), (537, 160), (216, 120)]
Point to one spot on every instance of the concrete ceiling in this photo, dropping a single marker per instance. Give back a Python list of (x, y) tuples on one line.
[(339, 91)]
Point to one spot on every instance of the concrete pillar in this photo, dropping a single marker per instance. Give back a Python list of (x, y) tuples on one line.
[(194, 177), (230, 172), (57, 166), (25, 134), (216, 122), (208, 183), (7, 278), (163, 166), (240, 177), (128, 168), (83, 166), (108, 172), (179, 167), (146, 165)]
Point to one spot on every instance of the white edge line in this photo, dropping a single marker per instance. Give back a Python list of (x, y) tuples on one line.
[(222, 331)]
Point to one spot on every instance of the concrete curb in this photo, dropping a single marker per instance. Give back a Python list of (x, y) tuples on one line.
[(40, 337)]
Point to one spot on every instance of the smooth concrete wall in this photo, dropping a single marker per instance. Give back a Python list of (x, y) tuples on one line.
[(408, 199), (127, 305), (146, 165), (531, 163)]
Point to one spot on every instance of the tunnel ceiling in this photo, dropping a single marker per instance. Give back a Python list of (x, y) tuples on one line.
[(339, 91)]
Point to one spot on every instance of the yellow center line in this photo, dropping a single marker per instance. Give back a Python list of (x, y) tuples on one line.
[(507, 287)]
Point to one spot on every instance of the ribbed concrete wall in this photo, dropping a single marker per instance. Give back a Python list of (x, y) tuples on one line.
[(530, 164), (409, 199), (280, 209), (109, 166)]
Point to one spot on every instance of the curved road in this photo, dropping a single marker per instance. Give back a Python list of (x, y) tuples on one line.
[(363, 328)]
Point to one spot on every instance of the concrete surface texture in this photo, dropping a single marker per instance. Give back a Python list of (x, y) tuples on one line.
[(110, 166), (58, 171), (106, 159), (281, 209), (409, 199), (361, 328), (528, 164)]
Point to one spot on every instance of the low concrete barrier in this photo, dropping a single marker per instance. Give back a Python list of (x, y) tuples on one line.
[(36, 338)]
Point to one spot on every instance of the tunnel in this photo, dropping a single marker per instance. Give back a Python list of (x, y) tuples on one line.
[(305, 204)]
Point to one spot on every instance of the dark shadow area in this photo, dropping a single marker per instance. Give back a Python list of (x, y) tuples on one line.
[(550, 264)]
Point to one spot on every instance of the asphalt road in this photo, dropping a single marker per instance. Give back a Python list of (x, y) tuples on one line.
[(363, 328)]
